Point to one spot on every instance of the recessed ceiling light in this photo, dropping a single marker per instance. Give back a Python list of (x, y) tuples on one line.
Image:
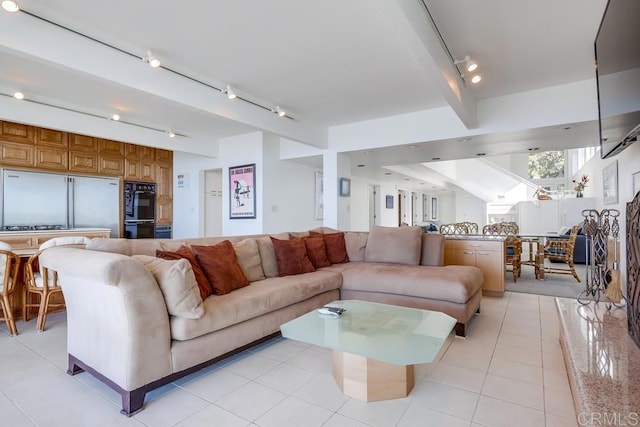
[(10, 6), (464, 139), (18, 95), (407, 179), (567, 127), (422, 183), (115, 117), (361, 166), (387, 173), (435, 158), (367, 152), (533, 149), (412, 146), (481, 154)]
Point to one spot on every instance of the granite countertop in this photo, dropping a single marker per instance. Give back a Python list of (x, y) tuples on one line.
[(603, 361), (65, 230)]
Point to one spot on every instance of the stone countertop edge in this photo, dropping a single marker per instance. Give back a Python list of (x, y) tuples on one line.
[(601, 359)]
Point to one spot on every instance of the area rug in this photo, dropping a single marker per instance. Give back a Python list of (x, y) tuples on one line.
[(555, 285)]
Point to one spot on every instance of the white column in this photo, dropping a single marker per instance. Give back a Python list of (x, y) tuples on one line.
[(336, 208)]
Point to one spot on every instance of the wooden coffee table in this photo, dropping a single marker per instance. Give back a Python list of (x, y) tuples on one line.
[(374, 345)]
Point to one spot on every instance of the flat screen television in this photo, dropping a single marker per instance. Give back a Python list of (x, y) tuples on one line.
[(617, 51)]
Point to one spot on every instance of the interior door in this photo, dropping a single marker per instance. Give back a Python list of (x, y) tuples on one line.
[(213, 202)]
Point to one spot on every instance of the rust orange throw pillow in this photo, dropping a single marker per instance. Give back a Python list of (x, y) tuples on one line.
[(291, 256), (220, 265), (316, 251), (335, 245), (184, 252)]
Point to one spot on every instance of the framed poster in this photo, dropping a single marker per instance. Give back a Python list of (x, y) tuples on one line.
[(389, 201), (318, 207), (242, 191), (345, 187), (636, 183), (610, 184)]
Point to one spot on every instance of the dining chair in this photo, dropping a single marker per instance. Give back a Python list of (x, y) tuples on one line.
[(512, 244), (455, 228), (43, 282), (9, 263), (471, 226), (561, 250)]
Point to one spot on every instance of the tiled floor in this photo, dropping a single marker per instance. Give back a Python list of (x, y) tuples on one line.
[(508, 372)]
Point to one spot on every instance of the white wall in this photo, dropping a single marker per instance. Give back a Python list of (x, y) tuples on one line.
[(470, 208), (447, 208), (359, 204)]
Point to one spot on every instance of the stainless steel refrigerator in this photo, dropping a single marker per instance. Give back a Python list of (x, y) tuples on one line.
[(47, 199)]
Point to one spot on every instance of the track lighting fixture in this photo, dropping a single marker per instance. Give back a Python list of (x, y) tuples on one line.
[(475, 78), (115, 117), (18, 95), (469, 64), (280, 112), (230, 93), (151, 59), (10, 6), (171, 134)]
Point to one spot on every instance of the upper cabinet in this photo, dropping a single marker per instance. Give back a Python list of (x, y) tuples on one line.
[(52, 138), (16, 132), (83, 143)]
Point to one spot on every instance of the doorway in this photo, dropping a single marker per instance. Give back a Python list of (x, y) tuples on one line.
[(402, 211), (213, 203)]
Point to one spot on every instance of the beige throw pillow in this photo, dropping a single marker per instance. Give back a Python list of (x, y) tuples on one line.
[(178, 285), (268, 255), (356, 243), (249, 259), (398, 245)]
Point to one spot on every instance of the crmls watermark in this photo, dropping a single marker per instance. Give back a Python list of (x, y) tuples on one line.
[(608, 419)]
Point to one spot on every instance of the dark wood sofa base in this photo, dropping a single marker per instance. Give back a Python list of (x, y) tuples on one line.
[(133, 400)]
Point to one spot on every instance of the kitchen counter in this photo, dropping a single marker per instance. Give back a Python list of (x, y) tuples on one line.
[(28, 241), (483, 237)]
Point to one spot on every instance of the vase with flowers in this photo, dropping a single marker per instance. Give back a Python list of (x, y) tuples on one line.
[(580, 185)]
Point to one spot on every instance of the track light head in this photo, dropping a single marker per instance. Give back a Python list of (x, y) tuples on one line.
[(18, 95), (279, 111), (10, 6), (471, 65), (115, 117), (171, 134), (230, 93), (151, 59)]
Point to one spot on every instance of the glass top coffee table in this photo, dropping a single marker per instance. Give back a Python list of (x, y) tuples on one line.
[(374, 345)]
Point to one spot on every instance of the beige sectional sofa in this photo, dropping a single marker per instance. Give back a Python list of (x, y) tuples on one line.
[(120, 329)]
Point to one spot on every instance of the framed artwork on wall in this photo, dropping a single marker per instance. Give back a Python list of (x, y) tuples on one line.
[(345, 187), (389, 201), (434, 208), (318, 207), (242, 191), (610, 184)]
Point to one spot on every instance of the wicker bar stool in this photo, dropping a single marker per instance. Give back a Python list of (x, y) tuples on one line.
[(8, 276)]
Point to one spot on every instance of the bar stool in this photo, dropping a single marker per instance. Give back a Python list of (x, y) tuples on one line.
[(44, 282), (8, 276)]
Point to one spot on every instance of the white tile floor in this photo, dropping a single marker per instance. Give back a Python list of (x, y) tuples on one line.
[(508, 372)]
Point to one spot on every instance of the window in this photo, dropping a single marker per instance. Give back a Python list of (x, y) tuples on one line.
[(547, 164)]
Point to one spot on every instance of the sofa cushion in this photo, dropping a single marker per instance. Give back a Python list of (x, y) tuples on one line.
[(125, 246), (399, 245), (249, 259), (336, 247), (178, 285), (252, 301), (291, 256), (453, 283), (267, 255), (317, 251), (184, 252), (220, 265), (432, 252), (356, 243)]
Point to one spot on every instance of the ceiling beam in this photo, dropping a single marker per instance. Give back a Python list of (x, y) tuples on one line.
[(413, 27)]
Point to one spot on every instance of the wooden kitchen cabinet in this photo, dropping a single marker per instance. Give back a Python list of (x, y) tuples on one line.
[(83, 161), (52, 159), (487, 255), (52, 138), (16, 132), (164, 193), (139, 163), (111, 148), (83, 143), (17, 154), (111, 165)]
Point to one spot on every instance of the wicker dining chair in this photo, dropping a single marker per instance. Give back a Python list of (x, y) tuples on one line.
[(9, 263), (455, 228), (561, 250), (472, 227), (43, 282), (512, 244)]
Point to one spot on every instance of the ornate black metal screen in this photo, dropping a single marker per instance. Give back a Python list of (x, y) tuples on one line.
[(633, 267)]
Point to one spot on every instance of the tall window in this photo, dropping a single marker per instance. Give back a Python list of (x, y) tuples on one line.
[(546, 164)]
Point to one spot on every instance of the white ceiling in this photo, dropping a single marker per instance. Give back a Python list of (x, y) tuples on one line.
[(326, 63)]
